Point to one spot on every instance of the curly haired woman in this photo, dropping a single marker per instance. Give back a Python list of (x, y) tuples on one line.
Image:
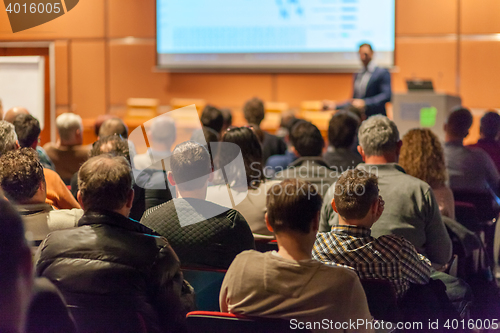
[(422, 157)]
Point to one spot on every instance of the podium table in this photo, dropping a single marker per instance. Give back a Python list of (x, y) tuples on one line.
[(423, 110)]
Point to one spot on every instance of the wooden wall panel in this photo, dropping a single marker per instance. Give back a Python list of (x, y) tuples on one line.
[(224, 90), (88, 78), (479, 66), (295, 88), (131, 73), (131, 18), (62, 73), (479, 17), (414, 17), (427, 58), (86, 20)]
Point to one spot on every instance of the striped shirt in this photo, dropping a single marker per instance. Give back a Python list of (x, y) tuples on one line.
[(388, 257)]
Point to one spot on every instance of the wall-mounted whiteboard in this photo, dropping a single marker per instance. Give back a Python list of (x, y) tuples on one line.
[(22, 84)]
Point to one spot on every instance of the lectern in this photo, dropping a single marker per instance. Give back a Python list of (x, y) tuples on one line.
[(423, 110)]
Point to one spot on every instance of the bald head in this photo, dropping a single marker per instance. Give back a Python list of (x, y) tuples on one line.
[(14, 112)]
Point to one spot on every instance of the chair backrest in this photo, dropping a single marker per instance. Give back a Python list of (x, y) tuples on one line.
[(204, 321), (486, 208), (206, 283), (382, 299), (265, 245)]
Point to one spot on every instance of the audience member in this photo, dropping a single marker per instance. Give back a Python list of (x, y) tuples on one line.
[(342, 135), (150, 169), (389, 257), (58, 194), (422, 157), (308, 145), (161, 136), (288, 283), (213, 118), (23, 182), (489, 129), (113, 126), (99, 121), (26, 304), (28, 132), (277, 163), (12, 113), (250, 197), (16, 277), (140, 282), (202, 233), (27, 127), (228, 119), (67, 153), (411, 211), (254, 113), (469, 169), (116, 146)]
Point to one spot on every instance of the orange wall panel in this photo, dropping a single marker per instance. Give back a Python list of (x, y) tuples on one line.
[(427, 58), (86, 20), (131, 18), (62, 78), (131, 73), (479, 17), (295, 88), (479, 66), (224, 90), (415, 17), (88, 78)]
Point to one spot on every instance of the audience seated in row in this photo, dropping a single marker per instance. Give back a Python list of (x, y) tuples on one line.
[(58, 194), (254, 113), (340, 154), (308, 144), (28, 131), (287, 283), (389, 257), (202, 233), (68, 153), (23, 182), (411, 210), (248, 190), (422, 157), (139, 274)]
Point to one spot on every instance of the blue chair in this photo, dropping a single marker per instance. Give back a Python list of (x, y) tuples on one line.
[(206, 283)]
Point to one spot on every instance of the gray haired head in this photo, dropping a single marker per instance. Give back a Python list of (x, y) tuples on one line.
[(8, 137), (378, 135)]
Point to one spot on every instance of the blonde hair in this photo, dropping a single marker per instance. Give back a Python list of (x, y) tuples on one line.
[(67, 123), (422, 157)]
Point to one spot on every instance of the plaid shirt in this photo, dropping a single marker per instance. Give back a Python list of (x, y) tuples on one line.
[(388, 257)]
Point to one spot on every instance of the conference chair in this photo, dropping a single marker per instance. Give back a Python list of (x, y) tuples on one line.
[(382, 299), (208, 322), (207, 283), (265, 245)]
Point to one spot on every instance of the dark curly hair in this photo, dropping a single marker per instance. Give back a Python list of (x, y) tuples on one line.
[(20, 174), (422, 157)]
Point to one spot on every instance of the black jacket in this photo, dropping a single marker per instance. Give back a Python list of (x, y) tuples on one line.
[(116, 276)]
